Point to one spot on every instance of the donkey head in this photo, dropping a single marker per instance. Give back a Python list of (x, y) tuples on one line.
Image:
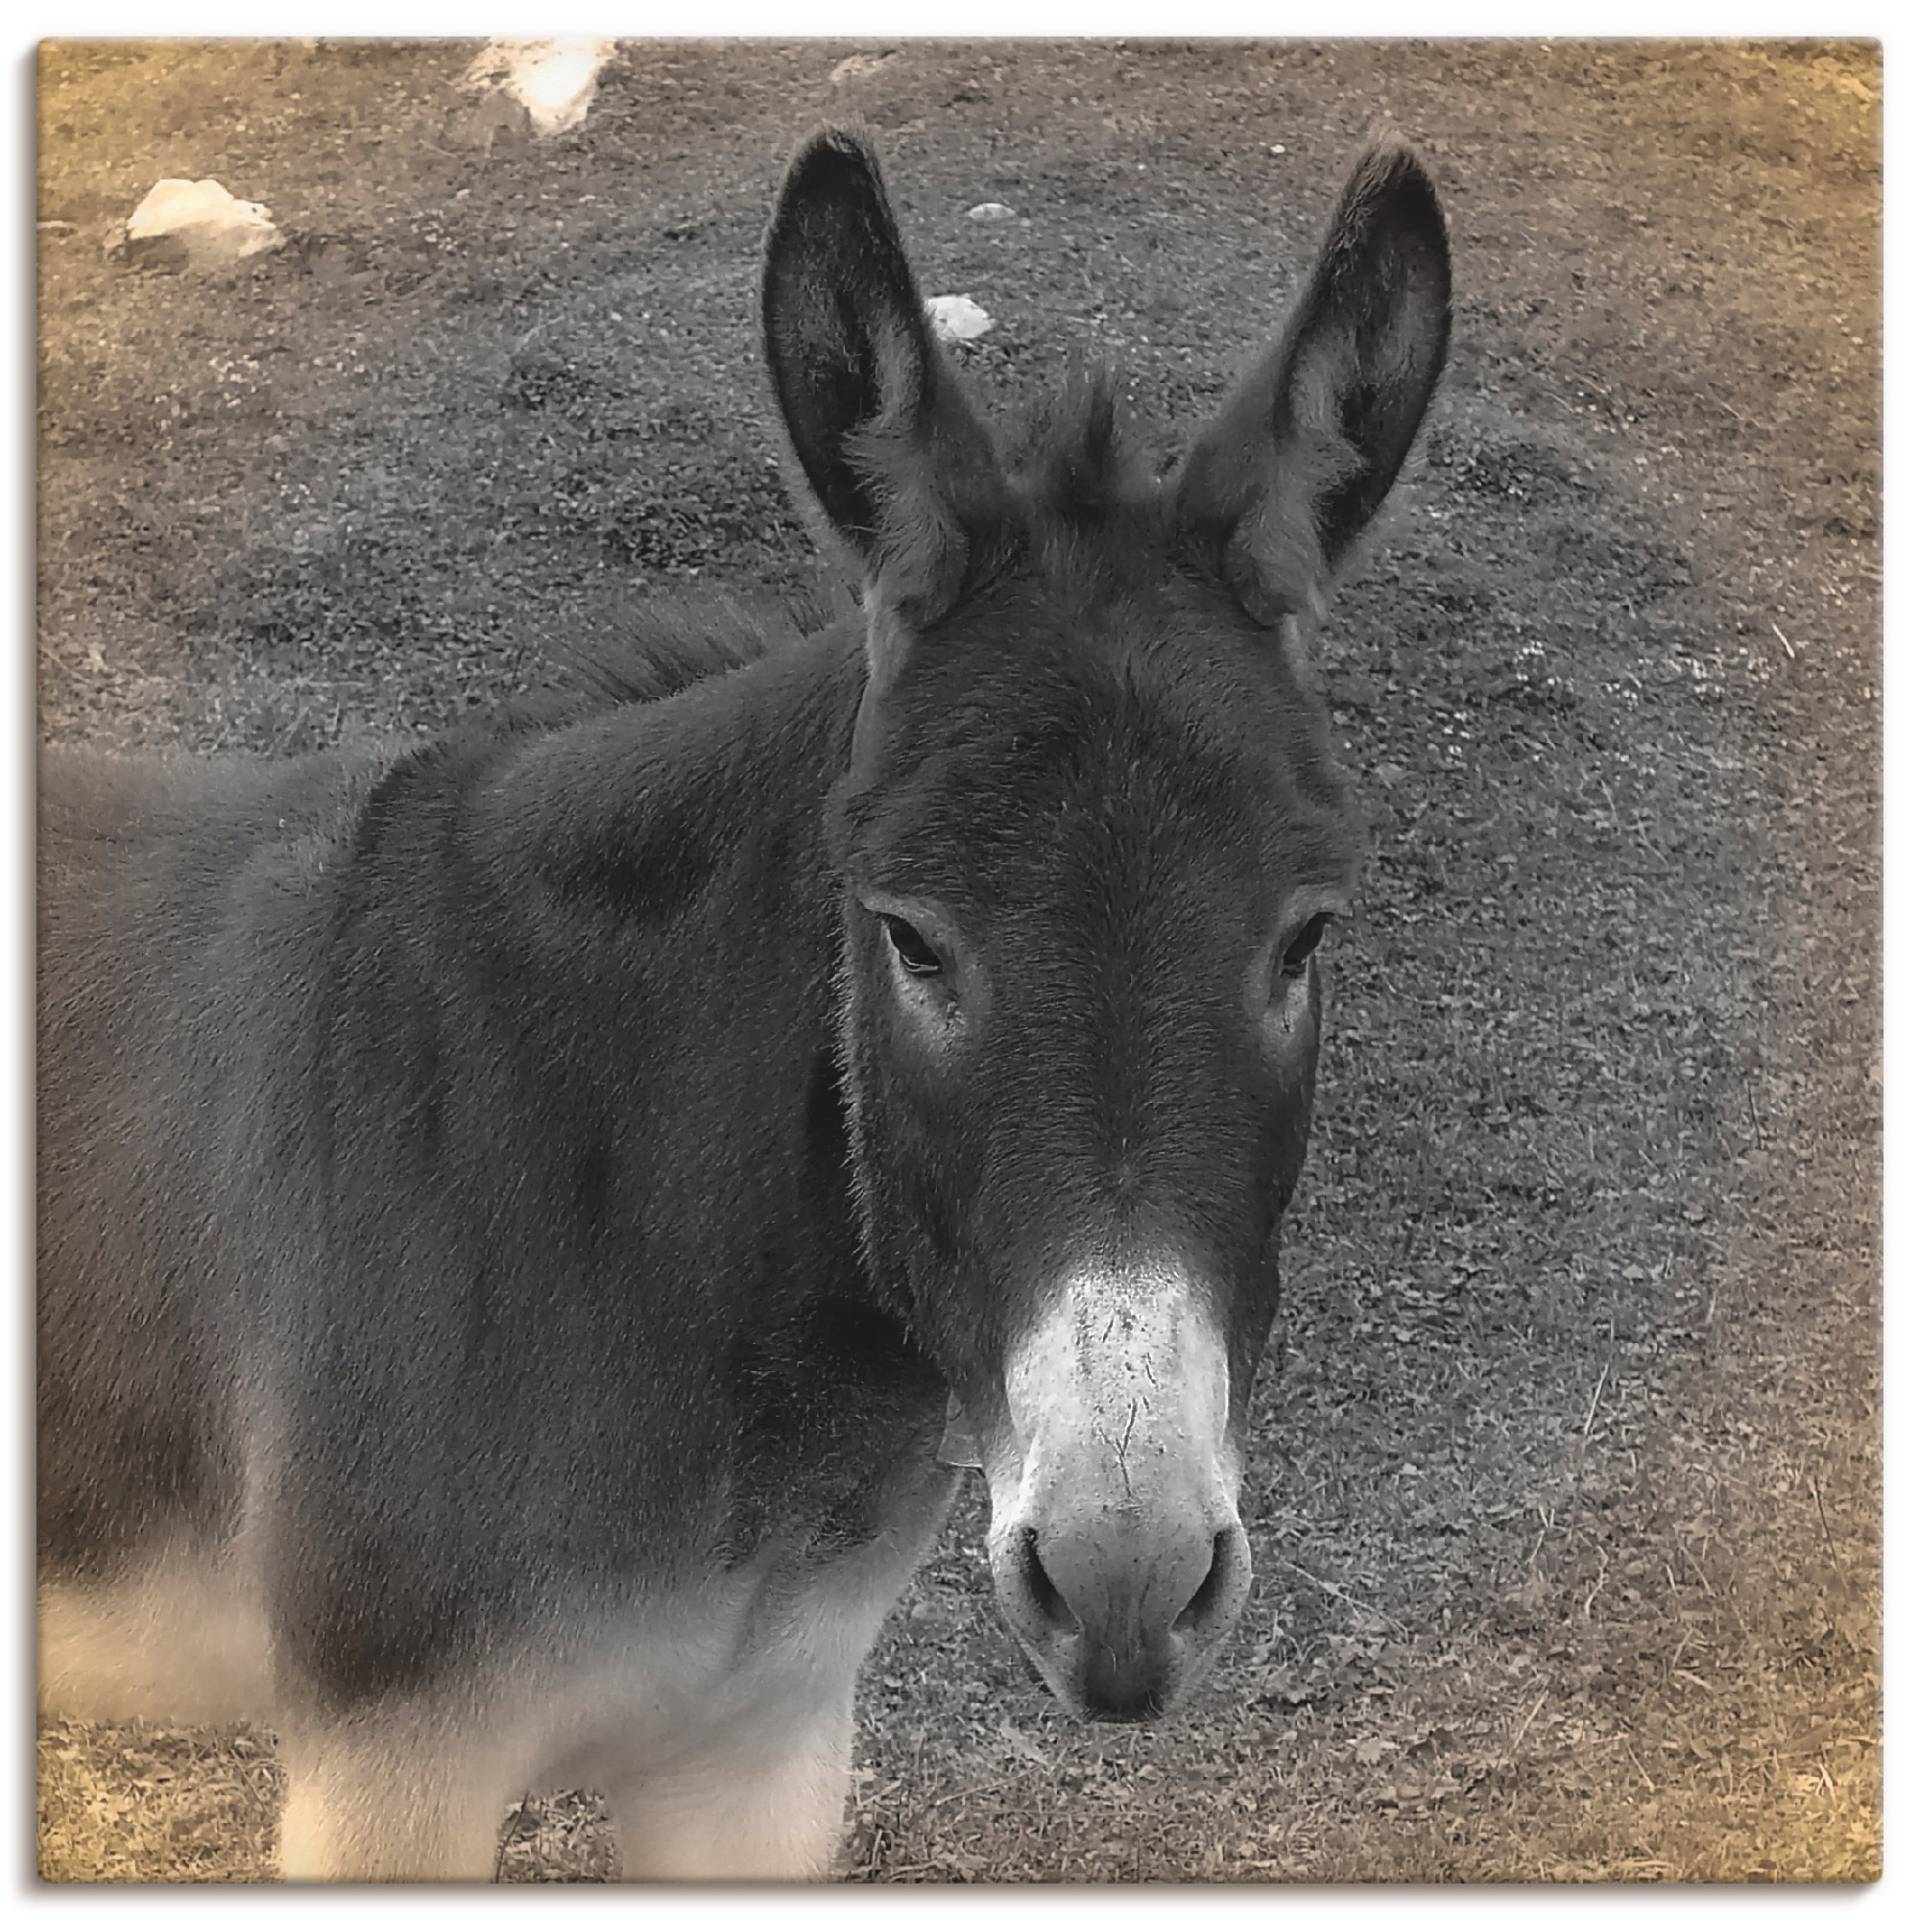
[(1090, 836)]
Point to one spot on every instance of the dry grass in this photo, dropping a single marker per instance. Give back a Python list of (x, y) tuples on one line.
[(1566, 1491)]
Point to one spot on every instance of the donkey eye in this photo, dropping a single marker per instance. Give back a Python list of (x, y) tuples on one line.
[(1295, 959), (913, 952)]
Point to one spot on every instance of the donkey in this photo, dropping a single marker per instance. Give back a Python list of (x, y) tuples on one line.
[(530, 1226)]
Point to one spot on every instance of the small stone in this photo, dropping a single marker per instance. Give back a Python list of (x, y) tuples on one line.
[(957, 316), (196, 224), (989, 210)]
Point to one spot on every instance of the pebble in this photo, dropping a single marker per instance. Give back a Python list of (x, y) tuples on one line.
[(957, 316)]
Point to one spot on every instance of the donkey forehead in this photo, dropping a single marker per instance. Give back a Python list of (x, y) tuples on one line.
[(1009, 750)]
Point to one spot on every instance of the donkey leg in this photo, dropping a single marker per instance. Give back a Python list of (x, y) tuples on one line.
[(765, 1802), (395, 1794)]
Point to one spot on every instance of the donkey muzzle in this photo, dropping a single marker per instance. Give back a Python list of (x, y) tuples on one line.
[(1116, 1545)]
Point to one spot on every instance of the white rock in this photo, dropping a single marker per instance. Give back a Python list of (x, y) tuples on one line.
[(201, 222), (857, 66), (956, 316), (554, 80), (990, 210)]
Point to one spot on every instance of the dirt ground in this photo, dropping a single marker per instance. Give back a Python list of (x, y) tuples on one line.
[(1566, 1494)]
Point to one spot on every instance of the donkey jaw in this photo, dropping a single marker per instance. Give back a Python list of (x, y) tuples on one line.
[(1116, 1546)]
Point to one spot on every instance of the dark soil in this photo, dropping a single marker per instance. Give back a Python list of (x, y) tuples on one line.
[(1566, 1493)]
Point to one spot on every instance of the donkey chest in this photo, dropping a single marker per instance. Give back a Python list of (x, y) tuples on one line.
[(778, 1639)]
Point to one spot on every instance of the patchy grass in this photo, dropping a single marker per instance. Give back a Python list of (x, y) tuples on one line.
[(1566, 1489)]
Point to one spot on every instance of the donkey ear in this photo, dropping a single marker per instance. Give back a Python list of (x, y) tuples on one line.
[(1277, 489), (905, 473)]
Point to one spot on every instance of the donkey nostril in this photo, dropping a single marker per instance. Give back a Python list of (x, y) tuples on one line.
[(1049, 1598), (1207, 1598)]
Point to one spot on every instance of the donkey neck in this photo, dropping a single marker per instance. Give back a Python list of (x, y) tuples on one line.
[(695, 812), (682, 846), (612, 948)]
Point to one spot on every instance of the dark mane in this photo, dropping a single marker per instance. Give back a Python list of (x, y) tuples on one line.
[(1083, 452), (1093, 516), (656, 647), (646, 649)]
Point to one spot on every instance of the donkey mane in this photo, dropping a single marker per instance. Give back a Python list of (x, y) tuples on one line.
[(1082, 451), (654, 648), (1092, 515), (647, 651)]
